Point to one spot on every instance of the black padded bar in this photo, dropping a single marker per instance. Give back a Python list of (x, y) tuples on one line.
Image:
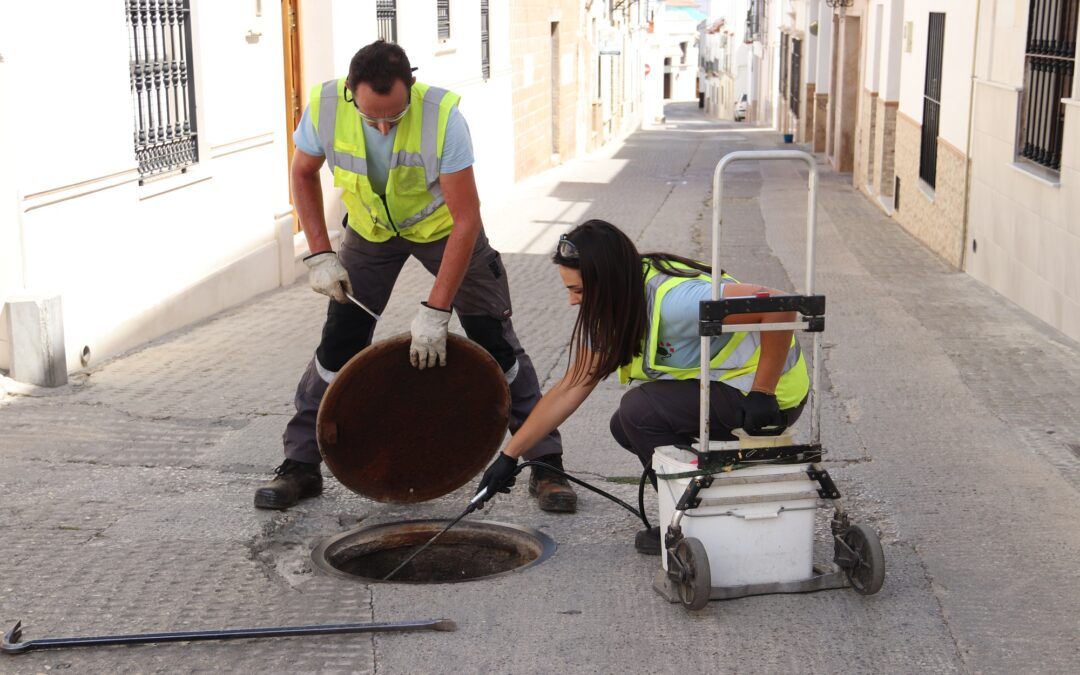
[(712, 313)]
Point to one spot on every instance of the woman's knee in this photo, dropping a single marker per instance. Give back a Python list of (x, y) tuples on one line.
[(618, 433)]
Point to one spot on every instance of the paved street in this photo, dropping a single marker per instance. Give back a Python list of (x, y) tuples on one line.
[(951, 419)]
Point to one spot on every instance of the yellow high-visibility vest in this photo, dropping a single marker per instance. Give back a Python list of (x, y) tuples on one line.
[(735, 364), (414, 207)]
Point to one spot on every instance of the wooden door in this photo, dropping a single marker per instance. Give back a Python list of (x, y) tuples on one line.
[(294, 81)]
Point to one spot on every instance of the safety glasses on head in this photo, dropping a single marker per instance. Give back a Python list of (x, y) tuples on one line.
[(567, 250)]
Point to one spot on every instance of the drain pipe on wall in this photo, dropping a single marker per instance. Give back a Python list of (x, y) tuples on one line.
[(971, 133)]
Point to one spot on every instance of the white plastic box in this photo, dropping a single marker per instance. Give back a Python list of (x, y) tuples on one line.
[(757, 523)]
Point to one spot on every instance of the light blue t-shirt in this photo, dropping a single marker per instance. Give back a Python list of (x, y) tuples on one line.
[(457, 147), (678, 337)]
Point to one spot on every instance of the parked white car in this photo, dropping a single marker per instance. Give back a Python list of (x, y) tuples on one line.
[(740, 109)]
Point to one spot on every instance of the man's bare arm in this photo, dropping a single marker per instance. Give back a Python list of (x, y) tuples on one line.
[(459, 190), (308, 199)]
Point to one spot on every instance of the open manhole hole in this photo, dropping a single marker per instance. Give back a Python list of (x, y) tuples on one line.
[(467, 551)]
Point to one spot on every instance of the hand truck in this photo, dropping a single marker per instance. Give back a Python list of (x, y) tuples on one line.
[(858, 560)]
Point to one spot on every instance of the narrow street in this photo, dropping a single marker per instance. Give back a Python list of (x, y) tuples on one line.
[(950, 417)]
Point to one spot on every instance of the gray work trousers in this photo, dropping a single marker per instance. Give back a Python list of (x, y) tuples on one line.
[(667, 412), (482, 304)]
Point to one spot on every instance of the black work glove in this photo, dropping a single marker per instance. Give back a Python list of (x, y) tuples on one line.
[(761, 412), (499, 477)]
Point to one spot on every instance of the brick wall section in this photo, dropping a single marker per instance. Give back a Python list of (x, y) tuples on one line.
[(885, 148), (806, 129), (530, 40), (937, 221), (863, 175), (821, 121)]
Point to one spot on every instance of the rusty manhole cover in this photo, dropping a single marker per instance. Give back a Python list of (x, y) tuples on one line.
[(396, 434), (468, 551)]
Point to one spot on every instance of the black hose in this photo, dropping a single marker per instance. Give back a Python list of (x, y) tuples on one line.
[(641, 500), (641, 496)]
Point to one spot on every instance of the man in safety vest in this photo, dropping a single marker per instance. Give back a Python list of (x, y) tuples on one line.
[(402, 155)]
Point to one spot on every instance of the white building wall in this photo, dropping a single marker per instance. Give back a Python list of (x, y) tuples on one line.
[(1023, 237), (132, 262), (334, 30), (823, 63), (956, 65)]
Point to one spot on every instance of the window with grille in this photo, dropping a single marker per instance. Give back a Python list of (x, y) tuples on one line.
[(162, 86), (935, 44), (485, 41), (444, 19), (796, 80), (757, 20), (386, 18), (783, 64), (1049, 63)]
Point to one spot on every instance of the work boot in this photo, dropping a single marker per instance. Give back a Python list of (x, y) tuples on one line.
[(294, 481), (647, 542), (552, 491)]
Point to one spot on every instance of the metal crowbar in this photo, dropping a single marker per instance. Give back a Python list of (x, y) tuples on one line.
[(11, 645)]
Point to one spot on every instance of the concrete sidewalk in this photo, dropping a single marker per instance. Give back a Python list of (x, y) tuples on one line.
[(950, 417)]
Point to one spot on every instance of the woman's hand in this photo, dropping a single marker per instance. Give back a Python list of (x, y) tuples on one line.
[(499, 477), (760, 412)]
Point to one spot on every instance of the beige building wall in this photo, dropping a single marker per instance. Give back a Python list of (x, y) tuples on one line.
[(821, 120), (884, 173), (1024, 227), (845, 90), (865, 144), (934, 216), (809, 110), (545, 91)]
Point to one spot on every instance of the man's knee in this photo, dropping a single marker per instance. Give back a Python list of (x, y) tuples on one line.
[(490, 333), (347, 330)]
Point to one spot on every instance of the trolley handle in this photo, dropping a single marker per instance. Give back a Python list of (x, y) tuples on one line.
[(712, 313)]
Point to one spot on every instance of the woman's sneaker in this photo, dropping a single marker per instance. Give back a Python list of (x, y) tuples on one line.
[(293, 481)]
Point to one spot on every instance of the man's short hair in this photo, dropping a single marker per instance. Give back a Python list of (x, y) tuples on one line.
[(378, 65)]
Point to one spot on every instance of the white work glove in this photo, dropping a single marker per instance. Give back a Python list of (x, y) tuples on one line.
[(429, 337), (327, 276)]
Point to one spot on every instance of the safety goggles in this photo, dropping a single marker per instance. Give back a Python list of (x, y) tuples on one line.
[(376, 121), (567, 250)]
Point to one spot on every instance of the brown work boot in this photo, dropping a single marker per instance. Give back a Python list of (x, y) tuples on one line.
[(293, 481), (552, 491)]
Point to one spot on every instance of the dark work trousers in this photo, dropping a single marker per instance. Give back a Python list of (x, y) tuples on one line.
[(667, 412), (482, 304)]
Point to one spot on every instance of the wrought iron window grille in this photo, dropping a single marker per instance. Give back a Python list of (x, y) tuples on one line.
[(443, 8), (796, 72), (485, 40), (932, 99), (386, 18), (162, 85), (1049, 65)]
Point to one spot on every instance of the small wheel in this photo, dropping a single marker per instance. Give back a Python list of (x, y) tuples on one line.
[(695, 579), (867, 571)]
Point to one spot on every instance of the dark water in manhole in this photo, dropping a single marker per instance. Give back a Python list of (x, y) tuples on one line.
[(470, 550)]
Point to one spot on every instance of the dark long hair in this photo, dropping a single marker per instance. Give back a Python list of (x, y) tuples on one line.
[(612, 319)]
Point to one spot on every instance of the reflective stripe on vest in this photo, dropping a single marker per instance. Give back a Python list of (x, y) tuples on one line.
[(417, 212), (735, 364)]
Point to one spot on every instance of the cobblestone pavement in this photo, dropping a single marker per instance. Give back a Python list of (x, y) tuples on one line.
[(950, 417)]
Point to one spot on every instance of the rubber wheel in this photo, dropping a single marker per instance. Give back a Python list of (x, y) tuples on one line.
[(696, 585), (867, 574)]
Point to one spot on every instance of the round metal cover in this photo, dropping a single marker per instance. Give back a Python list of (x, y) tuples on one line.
[(393, 433)]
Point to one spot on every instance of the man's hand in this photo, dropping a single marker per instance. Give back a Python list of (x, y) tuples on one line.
[(499, 477), (760, 412), (428, 329), (327, 276)]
